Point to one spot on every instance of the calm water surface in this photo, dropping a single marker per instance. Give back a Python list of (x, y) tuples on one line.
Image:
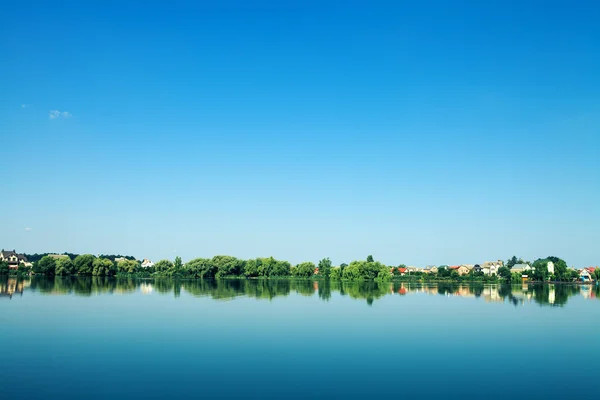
[(98, 338)]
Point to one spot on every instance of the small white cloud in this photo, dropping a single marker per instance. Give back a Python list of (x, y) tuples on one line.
[(53, 114), (28, 229), (24, 105)]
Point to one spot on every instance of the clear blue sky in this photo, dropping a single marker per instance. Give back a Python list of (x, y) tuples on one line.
[(439, 133)]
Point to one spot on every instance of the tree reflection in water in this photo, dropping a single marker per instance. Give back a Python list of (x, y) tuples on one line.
[(226, 289)]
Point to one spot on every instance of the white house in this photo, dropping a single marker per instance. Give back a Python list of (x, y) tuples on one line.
[(585, 275), (550, 267), (147, 263), (492, 267)]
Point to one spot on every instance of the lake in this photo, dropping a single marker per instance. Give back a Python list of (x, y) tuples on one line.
[(97, 338)]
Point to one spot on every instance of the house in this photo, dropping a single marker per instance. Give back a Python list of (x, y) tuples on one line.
[(492, 267), (584, 275), (147, 263), (521, 268), (430, 269), (591, 270), (402, 271), (119, 259), (13, 259), (57, 256), (477, 268), (461, 269), (550, 267)]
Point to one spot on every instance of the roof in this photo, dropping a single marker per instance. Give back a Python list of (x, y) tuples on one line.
[(8, 253), (454, 267), (402, 270)]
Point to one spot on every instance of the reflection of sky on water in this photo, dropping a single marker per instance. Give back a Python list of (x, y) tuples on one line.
[(167, 339)]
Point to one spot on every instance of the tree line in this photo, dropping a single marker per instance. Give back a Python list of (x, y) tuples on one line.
[(231, 267)]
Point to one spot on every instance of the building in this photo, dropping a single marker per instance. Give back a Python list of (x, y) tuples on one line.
[(461, 269), (550, 267), (477, 268), (119, 259), (492, 267), (430, 269), (13, 259), (521, 268), (147, 263), (57, 256), (584, 275), (402, 271)]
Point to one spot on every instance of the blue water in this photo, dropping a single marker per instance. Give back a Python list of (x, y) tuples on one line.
[(71, 340)]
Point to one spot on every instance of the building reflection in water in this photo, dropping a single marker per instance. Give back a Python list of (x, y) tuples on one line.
[(521, 294), (12, 286)]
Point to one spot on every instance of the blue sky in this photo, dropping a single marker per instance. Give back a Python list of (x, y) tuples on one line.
[(439, 133)]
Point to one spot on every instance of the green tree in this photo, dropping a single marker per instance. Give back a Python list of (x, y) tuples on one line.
[(336, 274), (325, 267), (103, 267), (511, 262), (128, 266), (305, 270), (64, 266), (84, 264), (560, 268), (3, 268), (504, 273), (226, 266), (540, 270), (250, 269), (443, 271), (46, 266), (370, 258), (163, 266), (201, 268), (177, 264)]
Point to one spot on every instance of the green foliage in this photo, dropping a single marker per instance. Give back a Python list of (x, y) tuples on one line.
[(163, 266), (250, 269), (305, 270), (64, 266), (325, 267), (365, 270), (335, 274), (227, 266), (504, 273), (84, 264), (128, 266), (3, 268), (370, 258), (270, 267), (103, 267), (201, 268), (540, 270), (45, 266), (177, 264), (514, 261)]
